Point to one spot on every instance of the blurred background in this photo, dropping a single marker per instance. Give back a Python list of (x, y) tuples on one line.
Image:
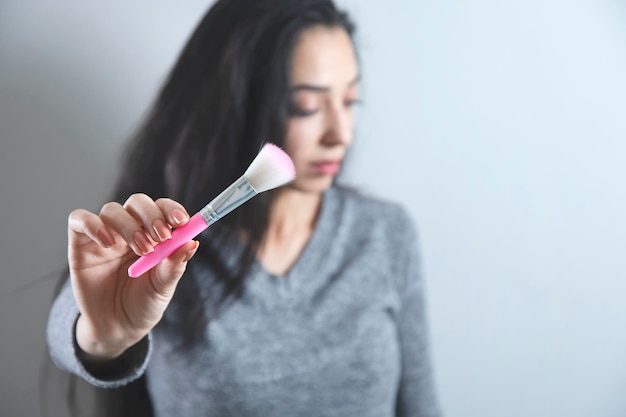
[(500, 125)]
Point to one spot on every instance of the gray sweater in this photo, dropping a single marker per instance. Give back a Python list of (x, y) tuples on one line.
[(342, 334)]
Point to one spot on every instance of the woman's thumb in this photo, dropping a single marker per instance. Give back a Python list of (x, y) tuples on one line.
[(171, 269)]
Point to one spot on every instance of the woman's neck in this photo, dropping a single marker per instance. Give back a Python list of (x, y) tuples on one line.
[(293, 211), (292, 219)]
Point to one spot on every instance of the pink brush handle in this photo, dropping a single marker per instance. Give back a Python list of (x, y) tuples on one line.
[(180, 236)]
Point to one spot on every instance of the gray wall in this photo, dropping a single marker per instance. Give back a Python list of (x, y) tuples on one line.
[(500, 125)]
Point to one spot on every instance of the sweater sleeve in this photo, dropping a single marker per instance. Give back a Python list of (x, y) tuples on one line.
[(417, 394), (64, 351)]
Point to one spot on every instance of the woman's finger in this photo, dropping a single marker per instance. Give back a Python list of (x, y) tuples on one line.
[(173, 211), (114, 216), (84, 226), (149, 214), (165, 275)]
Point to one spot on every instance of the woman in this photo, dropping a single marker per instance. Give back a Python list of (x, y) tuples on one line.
[(306, 300)]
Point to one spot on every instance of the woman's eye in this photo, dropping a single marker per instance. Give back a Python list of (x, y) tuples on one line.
[(301, 112), (352, 102)]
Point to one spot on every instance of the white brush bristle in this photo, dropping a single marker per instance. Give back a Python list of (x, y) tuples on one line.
[(271, 168)]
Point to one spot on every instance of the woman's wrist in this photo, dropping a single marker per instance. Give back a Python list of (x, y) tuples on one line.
[(91, 350), (106, 363)]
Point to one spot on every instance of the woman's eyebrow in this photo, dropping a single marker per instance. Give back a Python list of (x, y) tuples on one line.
[(309, 87), (319, 88)]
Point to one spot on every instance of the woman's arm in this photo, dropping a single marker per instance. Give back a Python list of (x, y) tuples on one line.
[(67, 355)]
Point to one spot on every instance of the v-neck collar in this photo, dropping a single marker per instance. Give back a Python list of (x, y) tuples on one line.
[(311, 262)]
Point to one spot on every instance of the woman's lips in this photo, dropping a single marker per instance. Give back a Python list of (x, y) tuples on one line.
[(329, 167)]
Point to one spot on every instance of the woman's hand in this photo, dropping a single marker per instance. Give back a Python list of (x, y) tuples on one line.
[(118, 311)]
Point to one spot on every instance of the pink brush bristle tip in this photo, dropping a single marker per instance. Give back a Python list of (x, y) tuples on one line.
[(281, 157), (271, 168)]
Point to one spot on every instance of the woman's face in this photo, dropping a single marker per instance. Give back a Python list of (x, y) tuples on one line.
[(324, 89)]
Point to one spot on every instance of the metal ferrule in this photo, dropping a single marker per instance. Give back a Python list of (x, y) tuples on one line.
[(235, 195)]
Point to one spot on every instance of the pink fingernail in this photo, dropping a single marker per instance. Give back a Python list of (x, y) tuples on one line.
[(142, 243), (179, 216), (105, 237), (191, 252), (161, 230)]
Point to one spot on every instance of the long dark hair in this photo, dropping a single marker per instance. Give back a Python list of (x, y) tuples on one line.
[(228, 93)]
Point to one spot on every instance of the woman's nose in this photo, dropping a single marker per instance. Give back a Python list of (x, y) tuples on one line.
[(339, 126)]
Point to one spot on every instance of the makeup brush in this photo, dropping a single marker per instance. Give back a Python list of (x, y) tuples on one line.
[(270, 169)]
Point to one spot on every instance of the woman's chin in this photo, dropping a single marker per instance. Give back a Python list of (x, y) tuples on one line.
[(315, 184)]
